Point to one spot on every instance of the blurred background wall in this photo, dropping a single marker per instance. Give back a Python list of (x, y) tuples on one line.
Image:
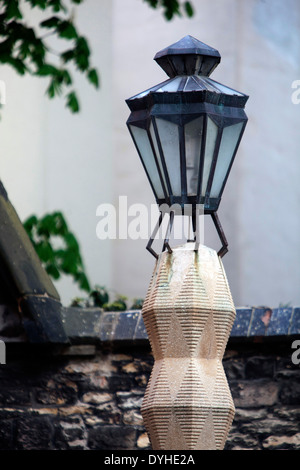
[(52, 160)]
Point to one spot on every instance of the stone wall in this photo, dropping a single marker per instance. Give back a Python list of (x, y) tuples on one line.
[(88, 395), (90, 399)]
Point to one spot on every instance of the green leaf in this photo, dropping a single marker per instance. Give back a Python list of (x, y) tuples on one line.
[(68, 264), (66, 77), (38, 52), (72, 102), (12, 10), (24, 50), (153, 3), (137, 304), (67, 30), (55, 87), (71, 241), (116, 306), (93, 77), (18, 64), (189, 9), (52, 22), (171, 8), (46, 69), (82, 53), (42, 4), (61, 227), (30, 222), (65, 260), (45, 251), (56, 5), (100, 296), (68, 55), (52, 271), (51, 90), (82, 281)]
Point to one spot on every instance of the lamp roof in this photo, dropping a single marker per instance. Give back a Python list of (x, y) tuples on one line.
[(188, 56), (191, 88)]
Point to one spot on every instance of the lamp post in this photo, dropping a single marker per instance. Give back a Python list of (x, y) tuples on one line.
[(187, 131)]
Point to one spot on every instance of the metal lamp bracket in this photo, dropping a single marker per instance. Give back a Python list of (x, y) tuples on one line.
[(195, 219)]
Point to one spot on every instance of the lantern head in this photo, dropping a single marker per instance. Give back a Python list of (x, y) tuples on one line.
[(187, 131)]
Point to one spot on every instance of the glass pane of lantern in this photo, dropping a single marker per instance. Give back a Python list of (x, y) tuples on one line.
[(228, 144), (153, 136), (193, 140), (210, 142), (142, 142), (169, 138), (170, 85)]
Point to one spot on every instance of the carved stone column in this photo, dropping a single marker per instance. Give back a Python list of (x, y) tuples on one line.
[(188, 313)]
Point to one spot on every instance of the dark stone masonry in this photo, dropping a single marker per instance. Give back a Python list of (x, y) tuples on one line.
[(88, 394)]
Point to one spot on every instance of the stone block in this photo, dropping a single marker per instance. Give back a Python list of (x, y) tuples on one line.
[(82, 325), (249, 394), (71, 434), (290, 392), (291, 442), (11, 328), (133, 418), (241, 323), (20, 264), (112, 438), (42, 319), (260, 321), (280, 322), (259, 367), (140, 331), (56, 392), (6, 434), (295, 322), (108, 324), (143, 442), (15, 396), (34, 433), (126, 325)]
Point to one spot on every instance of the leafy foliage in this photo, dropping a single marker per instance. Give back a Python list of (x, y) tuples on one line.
[(59, 253), (57, 247), (172, 8), (26, 49), (100, 297)]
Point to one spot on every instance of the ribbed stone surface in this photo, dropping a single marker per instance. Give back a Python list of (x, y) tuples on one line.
[(188, 313)]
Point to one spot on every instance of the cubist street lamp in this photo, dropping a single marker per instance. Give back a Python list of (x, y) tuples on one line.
[(187, 131)]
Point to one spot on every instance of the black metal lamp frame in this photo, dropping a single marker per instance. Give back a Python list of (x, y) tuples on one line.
[(195, 222), (181, 107), (229, 117)]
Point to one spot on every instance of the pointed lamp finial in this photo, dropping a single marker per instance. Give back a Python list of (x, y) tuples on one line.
[(188, 57)]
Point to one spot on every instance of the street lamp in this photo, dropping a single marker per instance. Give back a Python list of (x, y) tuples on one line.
[(187, 131)]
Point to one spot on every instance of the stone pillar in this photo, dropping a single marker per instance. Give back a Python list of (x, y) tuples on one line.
[(188, 313)]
